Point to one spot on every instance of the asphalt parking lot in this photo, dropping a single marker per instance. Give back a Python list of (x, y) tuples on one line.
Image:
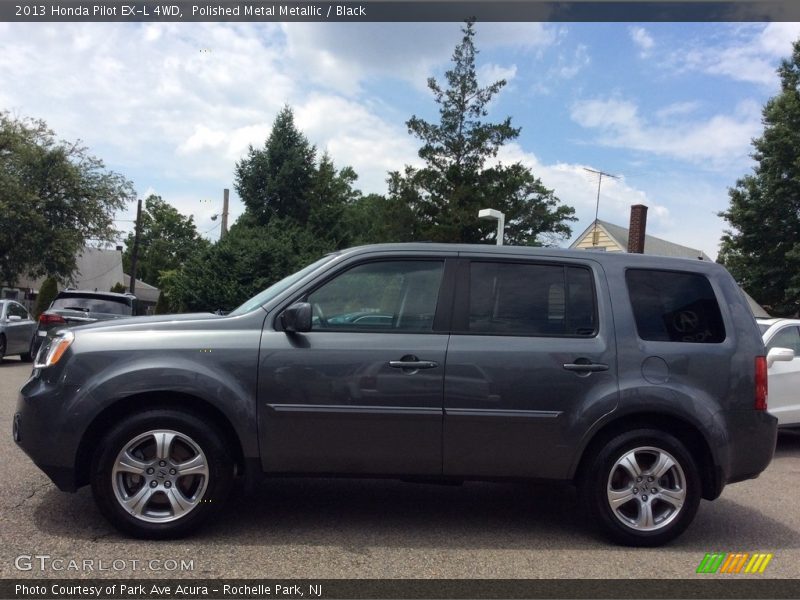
[(295, 528)]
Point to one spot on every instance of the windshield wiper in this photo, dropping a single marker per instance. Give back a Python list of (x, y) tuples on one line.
[(80, 308)]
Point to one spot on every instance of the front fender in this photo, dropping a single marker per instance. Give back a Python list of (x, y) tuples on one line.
[(232, 395)]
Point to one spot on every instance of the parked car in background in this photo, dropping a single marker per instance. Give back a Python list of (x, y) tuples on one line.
[(782, 339), (71, 308), (640, 379), (16, 329)]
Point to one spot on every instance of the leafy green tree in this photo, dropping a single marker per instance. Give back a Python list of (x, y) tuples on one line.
[(47, 293), (167, 239), (54, 198), (374, 219), (762, 248), (247, 260), (458, 178), (118, 288)]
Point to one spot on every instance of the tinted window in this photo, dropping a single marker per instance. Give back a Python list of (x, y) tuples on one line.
[(526, 299), (674, 307), (17, 310), (392, 295), (788, 337), (92, 304)]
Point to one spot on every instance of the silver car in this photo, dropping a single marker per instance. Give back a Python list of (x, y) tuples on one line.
[(16, 330), (782, 339)]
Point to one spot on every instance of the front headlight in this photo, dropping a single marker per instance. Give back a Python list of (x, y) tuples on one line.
[(51, 354)]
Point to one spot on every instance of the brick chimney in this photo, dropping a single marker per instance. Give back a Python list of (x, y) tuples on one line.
[(637, 229)]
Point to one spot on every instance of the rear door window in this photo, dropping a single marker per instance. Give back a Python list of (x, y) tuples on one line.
[(672, 306), (531, 299)]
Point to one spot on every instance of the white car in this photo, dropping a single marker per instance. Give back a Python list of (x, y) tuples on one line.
[(782, 339)]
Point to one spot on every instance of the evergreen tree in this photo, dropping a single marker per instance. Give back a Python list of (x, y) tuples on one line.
[(47, 293), (460, 178), (762, 250), (276, 181)]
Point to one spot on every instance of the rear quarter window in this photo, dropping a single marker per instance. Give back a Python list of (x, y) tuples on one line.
[(674, 306)]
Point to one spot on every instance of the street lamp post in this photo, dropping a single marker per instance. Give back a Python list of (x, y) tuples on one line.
[(495, 215)]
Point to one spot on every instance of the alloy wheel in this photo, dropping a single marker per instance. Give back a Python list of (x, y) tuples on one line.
[(646, 488), (160, 476)]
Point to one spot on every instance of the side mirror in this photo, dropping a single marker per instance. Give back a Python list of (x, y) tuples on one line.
[(297, 318), (779, 355), (14, 318)]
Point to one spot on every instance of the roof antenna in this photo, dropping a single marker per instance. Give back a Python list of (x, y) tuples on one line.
[(595, 232)]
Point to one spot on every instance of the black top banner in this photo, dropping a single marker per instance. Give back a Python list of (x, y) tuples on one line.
[(397, 11)]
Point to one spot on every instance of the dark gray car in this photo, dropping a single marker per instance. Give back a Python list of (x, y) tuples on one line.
[(642, 380), (71, 308)]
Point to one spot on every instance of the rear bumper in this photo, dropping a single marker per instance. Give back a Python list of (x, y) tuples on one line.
[(752, 438)]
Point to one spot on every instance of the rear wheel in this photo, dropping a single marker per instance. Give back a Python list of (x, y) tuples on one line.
[(161, 474), (642, 488)]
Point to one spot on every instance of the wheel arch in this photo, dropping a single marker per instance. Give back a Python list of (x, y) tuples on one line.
[(147, 400), (683, 429)]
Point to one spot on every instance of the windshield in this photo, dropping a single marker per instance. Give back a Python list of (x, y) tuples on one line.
[(92, 304), (276, 288)]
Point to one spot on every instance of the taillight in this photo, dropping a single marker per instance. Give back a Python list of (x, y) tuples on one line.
[(761, 383), (51, 319)]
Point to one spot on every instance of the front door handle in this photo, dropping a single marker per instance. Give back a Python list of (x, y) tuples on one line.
[(413, 364), (585, 367)]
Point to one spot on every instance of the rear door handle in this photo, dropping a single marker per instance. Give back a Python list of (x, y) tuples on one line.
[(586, 367)]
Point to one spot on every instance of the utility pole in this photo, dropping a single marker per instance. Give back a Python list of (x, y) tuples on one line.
[(135, 252), (595, 232), (224, 229)]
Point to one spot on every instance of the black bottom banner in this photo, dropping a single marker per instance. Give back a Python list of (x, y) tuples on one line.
[(292, 589)]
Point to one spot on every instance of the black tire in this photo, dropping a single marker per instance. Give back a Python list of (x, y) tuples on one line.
[(647, 519), (27, 356), (205, 493)]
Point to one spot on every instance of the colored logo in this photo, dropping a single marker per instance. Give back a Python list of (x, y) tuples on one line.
[(734, 562)]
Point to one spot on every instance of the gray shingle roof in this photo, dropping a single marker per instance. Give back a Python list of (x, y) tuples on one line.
[(652, 245)]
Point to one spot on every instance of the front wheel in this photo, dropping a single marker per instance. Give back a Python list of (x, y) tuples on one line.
[(642, 488), (161, 474)]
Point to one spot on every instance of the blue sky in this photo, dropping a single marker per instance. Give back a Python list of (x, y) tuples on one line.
[(670, 108)]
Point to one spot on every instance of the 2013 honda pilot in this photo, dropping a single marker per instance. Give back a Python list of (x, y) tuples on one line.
[(640, 379)]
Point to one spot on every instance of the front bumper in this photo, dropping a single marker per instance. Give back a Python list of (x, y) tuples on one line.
[(42, 430)]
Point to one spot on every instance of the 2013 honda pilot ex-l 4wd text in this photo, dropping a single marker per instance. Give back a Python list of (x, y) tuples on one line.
[(640, 379)]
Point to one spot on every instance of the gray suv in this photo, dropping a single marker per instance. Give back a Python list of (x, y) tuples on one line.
[(641, 380)]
